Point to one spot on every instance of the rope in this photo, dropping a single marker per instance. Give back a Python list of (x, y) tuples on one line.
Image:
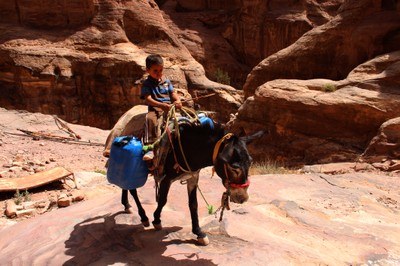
[(193, 117), (186, 111), (225, 197)]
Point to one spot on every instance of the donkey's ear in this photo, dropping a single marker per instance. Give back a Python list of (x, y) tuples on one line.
[(249, 139)]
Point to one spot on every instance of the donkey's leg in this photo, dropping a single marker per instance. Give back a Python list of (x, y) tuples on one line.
[(162, 200), (193, 205), (125, 202), (142, 213)]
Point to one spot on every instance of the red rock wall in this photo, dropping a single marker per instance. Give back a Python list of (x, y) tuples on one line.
[(323, 121), (262, 28), (97, 95), (48, 13), (82, 60), (234, 36), (360, 31), (201, 5)]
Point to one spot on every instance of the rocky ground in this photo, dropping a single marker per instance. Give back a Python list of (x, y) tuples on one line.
[(324, 214), (23, 155)]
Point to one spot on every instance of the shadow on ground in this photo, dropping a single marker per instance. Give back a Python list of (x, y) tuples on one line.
[(107, 240)]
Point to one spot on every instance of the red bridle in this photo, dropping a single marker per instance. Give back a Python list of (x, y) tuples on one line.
[(235, 185), (244, 185)]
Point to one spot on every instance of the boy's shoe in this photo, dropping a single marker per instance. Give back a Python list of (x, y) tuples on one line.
[(148, 156)]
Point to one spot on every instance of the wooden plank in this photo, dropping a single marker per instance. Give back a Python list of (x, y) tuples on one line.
[(35, 180)]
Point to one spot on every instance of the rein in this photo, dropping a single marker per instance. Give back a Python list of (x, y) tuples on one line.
[(190, 113)]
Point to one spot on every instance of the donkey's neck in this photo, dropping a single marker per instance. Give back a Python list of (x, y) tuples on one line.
[(198, 144)]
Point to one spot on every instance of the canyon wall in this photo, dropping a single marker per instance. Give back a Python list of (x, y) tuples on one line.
[(83, 60), (234, 36)]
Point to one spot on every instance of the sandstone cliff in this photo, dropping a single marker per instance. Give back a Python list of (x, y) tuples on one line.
[(320, 99), (234, 36), (360, 31), (322, 120), (83, 60)]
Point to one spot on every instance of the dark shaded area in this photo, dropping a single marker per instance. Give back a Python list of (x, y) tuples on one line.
[(56, 185), (95, 241), (389, 4)]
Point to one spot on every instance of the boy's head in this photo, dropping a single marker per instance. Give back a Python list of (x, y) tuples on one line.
[(155, 66)]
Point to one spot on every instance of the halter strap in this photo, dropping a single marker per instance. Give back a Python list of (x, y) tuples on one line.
[(218, 145)]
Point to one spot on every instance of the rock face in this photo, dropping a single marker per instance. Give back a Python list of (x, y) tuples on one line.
[(262, 28), (83, 60), (322, 120), (200, 28), (360, 31), (386, 144), (49, 14), (234, 36)]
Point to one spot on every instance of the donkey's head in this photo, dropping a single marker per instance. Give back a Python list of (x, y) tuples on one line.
[(232, 164)]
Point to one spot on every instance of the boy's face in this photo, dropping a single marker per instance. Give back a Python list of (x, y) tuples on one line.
[(156, 71)]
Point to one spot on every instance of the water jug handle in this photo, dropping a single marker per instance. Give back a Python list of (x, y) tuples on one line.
[(123, 141)]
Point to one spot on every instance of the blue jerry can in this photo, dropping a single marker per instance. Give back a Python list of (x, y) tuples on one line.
[(126, 167)]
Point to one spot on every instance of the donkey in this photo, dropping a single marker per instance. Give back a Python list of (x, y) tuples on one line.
[(202, 146)]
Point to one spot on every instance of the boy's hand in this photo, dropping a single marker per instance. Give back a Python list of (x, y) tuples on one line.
[(165, 107), (178, 104)]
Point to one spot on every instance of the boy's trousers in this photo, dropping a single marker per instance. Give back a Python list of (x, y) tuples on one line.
[(153, 124)]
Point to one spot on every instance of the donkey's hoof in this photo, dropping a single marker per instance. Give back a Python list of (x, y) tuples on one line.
[(146, 223), (203, 241), (158, 227)]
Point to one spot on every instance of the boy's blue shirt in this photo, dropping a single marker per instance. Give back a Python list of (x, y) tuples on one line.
[(159, 91)]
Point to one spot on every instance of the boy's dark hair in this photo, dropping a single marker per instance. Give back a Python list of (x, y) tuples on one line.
[(154, 59)]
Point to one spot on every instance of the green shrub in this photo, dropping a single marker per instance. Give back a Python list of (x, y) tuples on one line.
[(27, 196), (269, 167), (21, 197), (329, 88), (222, 77), (103, 172)]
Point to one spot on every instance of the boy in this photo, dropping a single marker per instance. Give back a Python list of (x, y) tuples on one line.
[(158, 93)]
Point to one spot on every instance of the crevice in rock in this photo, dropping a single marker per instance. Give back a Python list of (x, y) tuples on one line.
[(18, 11), (330, 183)]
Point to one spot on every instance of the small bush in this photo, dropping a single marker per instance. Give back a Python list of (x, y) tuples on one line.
[(329, 88), (222, 77), (269, 167), (27, 196), (103, 172), (21, 197)]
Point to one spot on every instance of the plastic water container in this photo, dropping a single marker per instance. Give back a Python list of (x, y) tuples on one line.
[(126, 167), (206, 122)]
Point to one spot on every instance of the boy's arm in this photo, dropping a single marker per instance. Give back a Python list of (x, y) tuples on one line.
[(176, 100), (154, 103)]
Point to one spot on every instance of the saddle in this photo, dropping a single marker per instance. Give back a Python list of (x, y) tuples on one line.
[(165, 142)]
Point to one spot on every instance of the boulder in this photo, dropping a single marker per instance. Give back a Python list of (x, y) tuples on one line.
[(64, 201), (323, 121), (11, 209), (77, 195), (360, 31), (386, 143)]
